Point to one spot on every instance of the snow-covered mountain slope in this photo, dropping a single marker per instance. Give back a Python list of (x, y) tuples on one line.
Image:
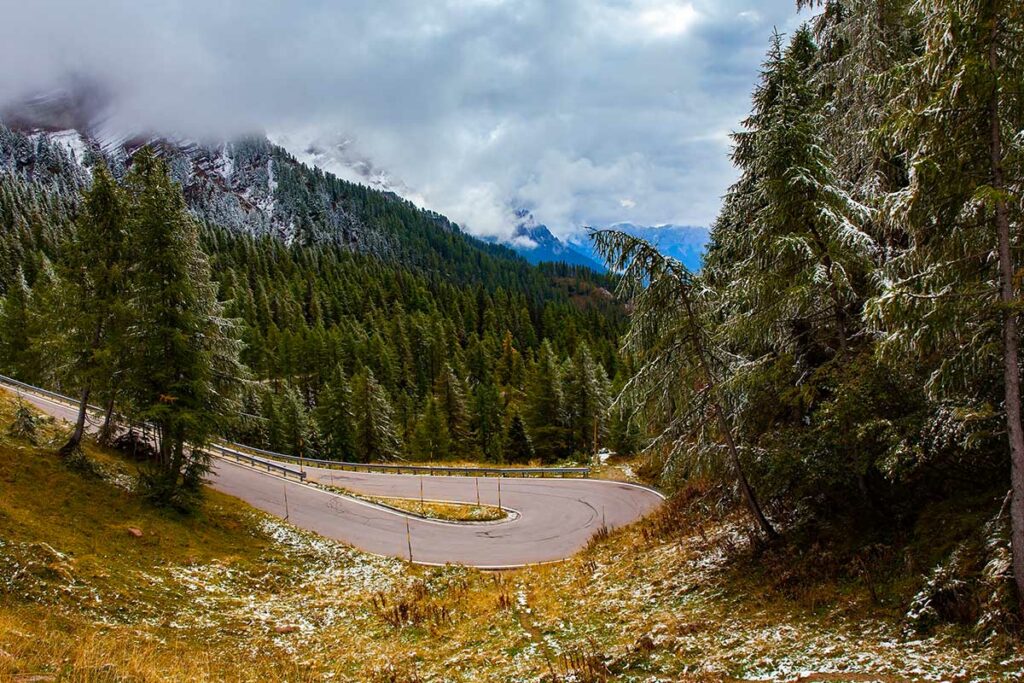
[(247, 185)]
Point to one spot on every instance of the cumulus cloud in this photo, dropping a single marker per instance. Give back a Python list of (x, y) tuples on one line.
[(585, 112)]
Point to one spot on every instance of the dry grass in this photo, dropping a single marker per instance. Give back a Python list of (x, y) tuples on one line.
[(435, 509), (231, 594)]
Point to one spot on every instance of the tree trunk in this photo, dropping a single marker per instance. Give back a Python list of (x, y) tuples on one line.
[(745, 488), (1011, 338), (734, 456), (106, 431), (76, 436)]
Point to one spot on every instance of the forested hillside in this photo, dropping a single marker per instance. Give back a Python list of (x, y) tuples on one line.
[(370, 329)]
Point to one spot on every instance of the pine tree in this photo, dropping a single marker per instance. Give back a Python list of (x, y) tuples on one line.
[(376, 435), (954, 292), (184, 360), (14, 330), (518, 447), (93, 318), (335, 418)]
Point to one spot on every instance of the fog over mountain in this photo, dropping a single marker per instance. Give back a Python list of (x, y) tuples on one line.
[(583, 113)]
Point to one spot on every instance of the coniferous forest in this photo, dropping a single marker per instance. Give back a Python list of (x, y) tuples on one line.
[(848, 354), (434, 350)]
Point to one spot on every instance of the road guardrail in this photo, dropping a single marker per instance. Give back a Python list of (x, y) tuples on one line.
[(238, 456), (409, 468), (384, 468)]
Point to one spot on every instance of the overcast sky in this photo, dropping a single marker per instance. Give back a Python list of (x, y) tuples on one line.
[(586, 112)]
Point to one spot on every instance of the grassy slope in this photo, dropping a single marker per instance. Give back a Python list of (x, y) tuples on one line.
[(232, 594)]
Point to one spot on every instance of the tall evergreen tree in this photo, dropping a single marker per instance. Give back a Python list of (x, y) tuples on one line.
[(335, 417), (678, 379), (590, 392), (432, 441), (452, 398), (788, 241), (94, 315), (546, 411), (954, 292), (15, 343), (487, 420), (518, 447), (376, 434), (184, 358)]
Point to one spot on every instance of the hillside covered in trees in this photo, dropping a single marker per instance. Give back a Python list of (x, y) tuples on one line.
[(373, 330)]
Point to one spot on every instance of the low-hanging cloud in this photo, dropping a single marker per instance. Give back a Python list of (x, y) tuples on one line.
[(586, 112)]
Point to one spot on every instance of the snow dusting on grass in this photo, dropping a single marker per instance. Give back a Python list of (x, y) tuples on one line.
[(234, 594)]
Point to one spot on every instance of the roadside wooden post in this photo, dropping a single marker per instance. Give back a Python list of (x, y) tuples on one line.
[(408, 538)]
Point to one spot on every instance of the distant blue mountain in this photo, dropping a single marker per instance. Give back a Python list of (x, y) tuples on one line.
[(536, 244), (685, 243)]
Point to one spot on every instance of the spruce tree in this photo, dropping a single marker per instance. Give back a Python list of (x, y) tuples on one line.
[(184, 358), (376, 434), (677, 382), (297, 431), (587, 384), (547, 407), (431, 439), (95, 288), (954, 292), (487, 420), (15, 343), (452, 398), (789, 239), (335, 418), (518, 447)]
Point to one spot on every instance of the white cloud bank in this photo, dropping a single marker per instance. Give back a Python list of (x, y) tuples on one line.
[(586, 112)]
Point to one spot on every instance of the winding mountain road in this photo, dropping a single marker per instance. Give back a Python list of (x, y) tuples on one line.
[(554, 517)]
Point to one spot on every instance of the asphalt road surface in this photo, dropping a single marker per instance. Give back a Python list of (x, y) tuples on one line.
[(553, 518)]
